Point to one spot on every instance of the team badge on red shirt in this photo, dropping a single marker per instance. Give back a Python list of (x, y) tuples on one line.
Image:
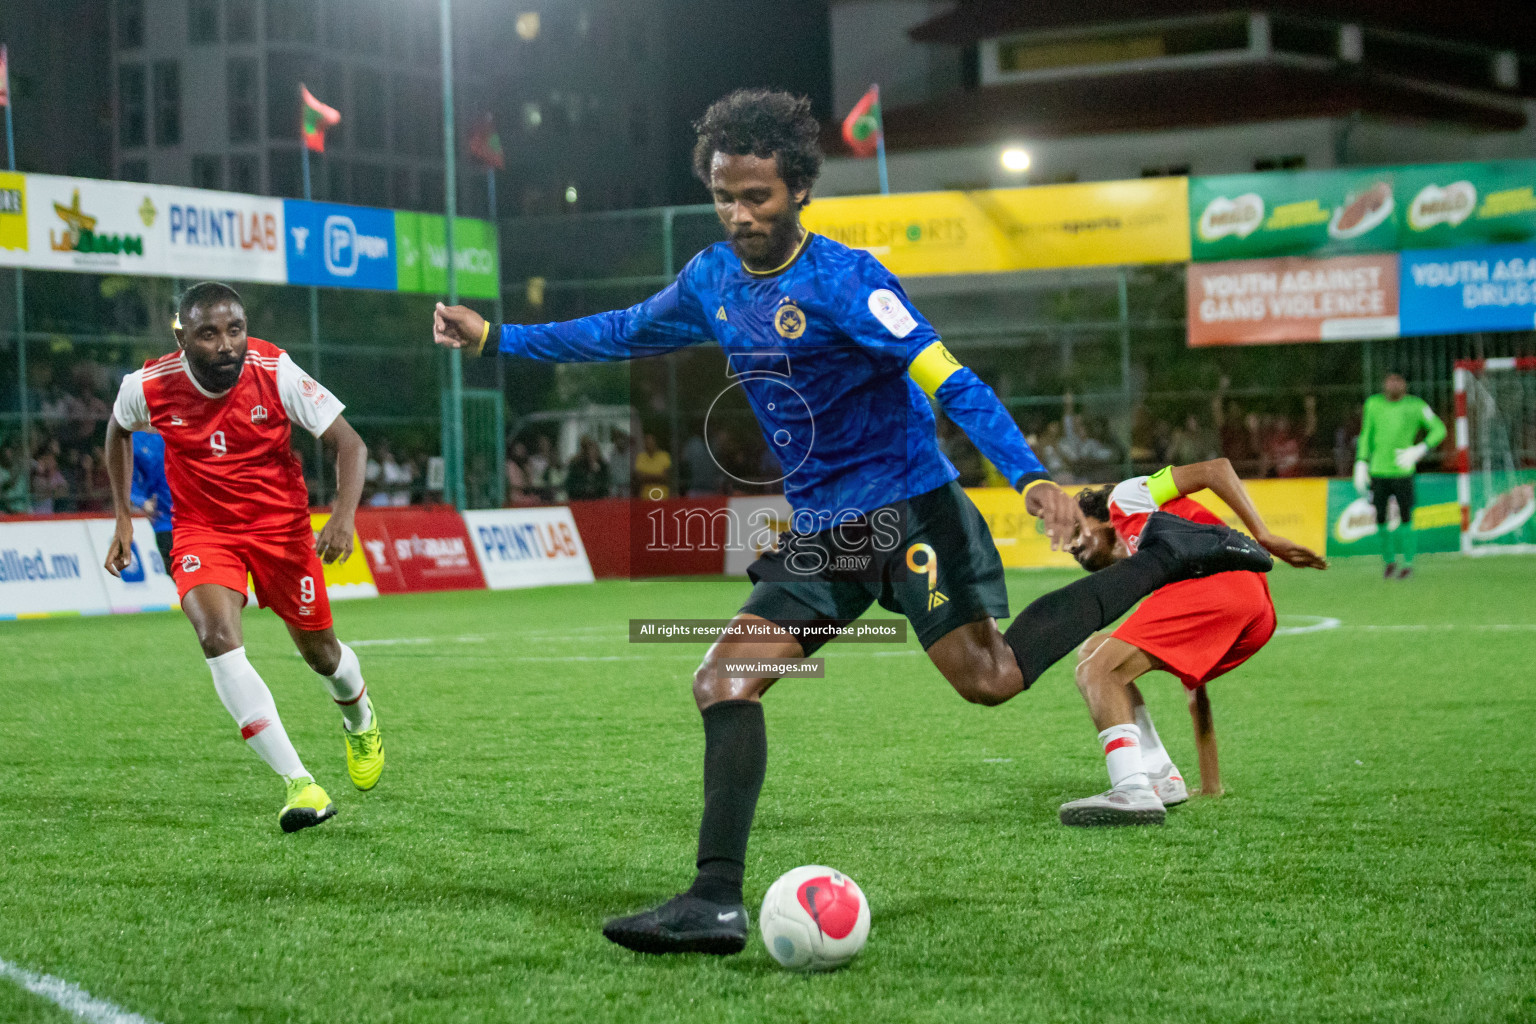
[(191, 563), (259, 414)]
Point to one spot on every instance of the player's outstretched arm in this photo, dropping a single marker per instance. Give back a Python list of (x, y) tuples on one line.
[(334, 544), (1222, 480), (119, 458), (459, 327)]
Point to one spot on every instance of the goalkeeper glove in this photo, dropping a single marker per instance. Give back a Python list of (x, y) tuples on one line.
[(1409, 457), (1362, 476)]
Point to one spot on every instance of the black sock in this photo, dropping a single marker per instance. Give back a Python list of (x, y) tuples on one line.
[(735, 761), (1054, 625)]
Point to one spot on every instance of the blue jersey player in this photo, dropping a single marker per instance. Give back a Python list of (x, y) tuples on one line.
[(839, 369), (150, 491)]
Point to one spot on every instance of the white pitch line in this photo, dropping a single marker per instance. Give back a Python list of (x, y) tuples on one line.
[(1318, 624), (71, 997)]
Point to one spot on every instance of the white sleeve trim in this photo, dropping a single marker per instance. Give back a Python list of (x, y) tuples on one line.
[(131, 409), (1133, 496), (306, 402)]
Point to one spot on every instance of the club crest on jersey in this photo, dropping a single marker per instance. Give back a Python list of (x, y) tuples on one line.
[(789, 320), (191, 563), (259, 414)]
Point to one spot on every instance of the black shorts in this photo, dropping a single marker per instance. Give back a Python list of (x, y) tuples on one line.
[(931, 558), (1399, 487)]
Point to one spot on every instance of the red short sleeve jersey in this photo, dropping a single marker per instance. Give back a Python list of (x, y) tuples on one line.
[(229, 458), (1133, 500)]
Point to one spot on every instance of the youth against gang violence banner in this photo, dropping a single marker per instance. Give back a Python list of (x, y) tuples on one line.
[(528, 547), (992, 230), (1255, 302)]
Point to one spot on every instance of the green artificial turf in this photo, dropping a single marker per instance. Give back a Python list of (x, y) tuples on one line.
[(1374, 859)]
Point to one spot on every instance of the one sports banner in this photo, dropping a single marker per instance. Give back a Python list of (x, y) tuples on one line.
[(1478, 288), (421, 263), (1255, 302), (1352, 522), (340, 246), (49, 567), (146, 585), (1095, 224), (528, 547), (411, 550), (349, 579), (82, 224)]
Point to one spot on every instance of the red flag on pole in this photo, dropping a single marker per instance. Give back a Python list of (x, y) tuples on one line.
[(862, 126), (5, 79), (485, 144), (317, 118)]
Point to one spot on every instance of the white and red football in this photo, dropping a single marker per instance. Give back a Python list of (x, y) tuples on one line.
[(814, 918)]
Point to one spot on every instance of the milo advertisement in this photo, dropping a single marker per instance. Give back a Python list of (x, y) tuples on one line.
[(1436, 517), (1248, 216), (1447, 205)]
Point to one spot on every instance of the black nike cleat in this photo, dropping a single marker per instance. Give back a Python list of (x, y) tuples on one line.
[(683, 924), (1204, 549)]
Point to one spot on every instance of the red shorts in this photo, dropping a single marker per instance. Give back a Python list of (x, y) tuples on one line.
[(1203, 628), (287, 572)]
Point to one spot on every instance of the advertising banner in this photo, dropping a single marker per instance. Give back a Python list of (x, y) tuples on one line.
[(153, 230), (528, 547), (1352, 518), (411, 550), (349, 579), (50, 568), (338, 246), (1094, 224), (1257, 302), (145, 586), (1242, 216), (13, 213), (1478, 288), (421, 263), (1467, 204)]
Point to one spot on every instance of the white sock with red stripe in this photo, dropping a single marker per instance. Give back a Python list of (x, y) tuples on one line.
[(250, 703), (1153, 757), (349, 691), (1122, 755)]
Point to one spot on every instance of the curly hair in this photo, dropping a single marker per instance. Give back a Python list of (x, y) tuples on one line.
[(1094, 501), (763, 123)]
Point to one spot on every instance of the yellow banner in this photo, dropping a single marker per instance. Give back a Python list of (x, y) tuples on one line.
[(1297, 509), (992, 230), (13, 210), (351, 578)]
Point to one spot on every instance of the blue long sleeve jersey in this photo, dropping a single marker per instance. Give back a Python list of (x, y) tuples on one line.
[(833, 360), (149, 477)]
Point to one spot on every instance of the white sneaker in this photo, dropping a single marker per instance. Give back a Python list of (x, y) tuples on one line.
[(1124, 805), (1169, 786)]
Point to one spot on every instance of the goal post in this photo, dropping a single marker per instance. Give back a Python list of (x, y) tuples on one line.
[(1496, 454)]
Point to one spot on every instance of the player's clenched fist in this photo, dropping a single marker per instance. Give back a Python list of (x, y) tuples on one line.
[(459, 327), (120, 553)]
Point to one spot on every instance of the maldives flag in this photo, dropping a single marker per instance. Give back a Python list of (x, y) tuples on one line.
[(5, 79), (862, 126), (317, 118), (485, 144)]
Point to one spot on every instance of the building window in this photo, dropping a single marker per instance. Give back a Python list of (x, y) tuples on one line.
[(370, 185), (131, 108), (245, 173), (1168, 171), (203, 21), (402, 192), (368, 97), (286, 176), (134, 170), (207, 171), (130, 24), (1280, 163), (240, 21), (241, 86), (167, 93), (293, 21), (639, 125)]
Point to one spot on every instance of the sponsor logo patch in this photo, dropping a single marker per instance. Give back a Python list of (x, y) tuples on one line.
[(890, 311), (191, 563)]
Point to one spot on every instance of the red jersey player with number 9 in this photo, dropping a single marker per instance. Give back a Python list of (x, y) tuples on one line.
[(226, 404)]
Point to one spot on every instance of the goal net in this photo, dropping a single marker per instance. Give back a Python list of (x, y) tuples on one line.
[(1496, 454)]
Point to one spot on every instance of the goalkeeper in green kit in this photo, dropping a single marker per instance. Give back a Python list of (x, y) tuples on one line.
[(1386, 459)]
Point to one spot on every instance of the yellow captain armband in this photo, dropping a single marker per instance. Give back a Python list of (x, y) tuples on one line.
[(1031, 486), (484, 334), (932, 367), (1162, 487)]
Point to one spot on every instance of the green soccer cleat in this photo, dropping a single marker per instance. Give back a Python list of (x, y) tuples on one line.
[(307, 805), (365, 753)]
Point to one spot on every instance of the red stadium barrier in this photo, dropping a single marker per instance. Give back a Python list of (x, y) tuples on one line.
[(411, 550), (640, 539)]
